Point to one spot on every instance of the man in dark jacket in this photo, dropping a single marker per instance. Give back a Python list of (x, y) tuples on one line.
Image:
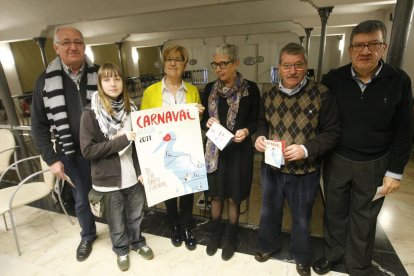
[(375, 105), (60, 94)]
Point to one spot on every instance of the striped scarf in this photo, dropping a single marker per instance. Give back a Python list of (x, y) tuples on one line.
[(55, 105), (109, 124)]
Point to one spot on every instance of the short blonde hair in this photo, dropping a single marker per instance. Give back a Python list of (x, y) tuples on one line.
[(175, 48)]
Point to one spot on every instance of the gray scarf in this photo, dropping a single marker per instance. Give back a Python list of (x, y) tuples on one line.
[(110, 124)]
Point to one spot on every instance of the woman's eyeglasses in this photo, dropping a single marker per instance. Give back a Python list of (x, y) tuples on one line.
[(174, 60), (221, 64)]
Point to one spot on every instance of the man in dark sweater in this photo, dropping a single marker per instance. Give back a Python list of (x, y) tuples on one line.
[(375, 105), (304, 115), (60, 93)]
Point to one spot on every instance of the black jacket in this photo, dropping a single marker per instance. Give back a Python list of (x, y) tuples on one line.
[(377, 121)]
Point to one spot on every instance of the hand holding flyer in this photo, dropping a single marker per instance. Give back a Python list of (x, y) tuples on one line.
[(219, 135), (274, 153)]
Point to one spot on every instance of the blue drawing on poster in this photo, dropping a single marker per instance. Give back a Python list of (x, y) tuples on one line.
[(191, 172)]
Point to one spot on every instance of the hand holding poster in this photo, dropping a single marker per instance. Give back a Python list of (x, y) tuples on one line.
[(170, 151)]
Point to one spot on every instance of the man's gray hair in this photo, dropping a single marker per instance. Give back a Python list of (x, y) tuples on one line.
[(58, 29), (293, 49)]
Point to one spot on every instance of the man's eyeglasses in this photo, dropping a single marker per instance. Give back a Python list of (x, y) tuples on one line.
[(297, 66), (172, 60), (372, 46), (221, 64), (68, 43)]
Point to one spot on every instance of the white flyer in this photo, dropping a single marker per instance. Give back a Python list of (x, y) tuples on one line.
[(219, 135), (378, 193), (274, 153)]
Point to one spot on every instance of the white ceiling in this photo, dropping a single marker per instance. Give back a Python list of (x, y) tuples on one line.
[(147, 22)]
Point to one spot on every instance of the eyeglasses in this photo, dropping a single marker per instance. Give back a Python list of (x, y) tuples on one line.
[(68, 43), (372, 46), (297, 66), (172, 60), (221, 64)]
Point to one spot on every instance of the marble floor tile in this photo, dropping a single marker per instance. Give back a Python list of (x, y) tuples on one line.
[(48, 244)]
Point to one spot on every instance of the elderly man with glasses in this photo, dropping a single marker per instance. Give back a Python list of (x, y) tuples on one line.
[(375, 105), (303, 116), (60, 93)]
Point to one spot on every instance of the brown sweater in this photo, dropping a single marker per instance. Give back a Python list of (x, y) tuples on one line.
[(308, 118)]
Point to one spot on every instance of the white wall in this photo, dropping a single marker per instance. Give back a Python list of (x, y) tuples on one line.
[(268, 46)]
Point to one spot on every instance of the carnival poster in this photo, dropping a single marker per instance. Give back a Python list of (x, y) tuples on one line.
[(170, 151)]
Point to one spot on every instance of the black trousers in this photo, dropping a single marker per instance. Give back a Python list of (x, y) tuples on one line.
[(182, 215), (350, 214)]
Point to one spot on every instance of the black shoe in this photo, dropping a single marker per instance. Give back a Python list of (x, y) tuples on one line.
[(214, 237), (213, 244), (264, 256), (176, 238), (84, 250), (303, 270), (229, 241), (189, 239), (322, 266)]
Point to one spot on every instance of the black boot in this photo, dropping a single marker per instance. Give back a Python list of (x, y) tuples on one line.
[(214, 237), (229, 241)]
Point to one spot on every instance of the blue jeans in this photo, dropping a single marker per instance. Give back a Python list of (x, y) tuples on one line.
[(79, 171), (300, 192), (124, 215)]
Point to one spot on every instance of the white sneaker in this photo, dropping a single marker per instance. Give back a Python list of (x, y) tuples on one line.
[(146, 252), (123, 262)]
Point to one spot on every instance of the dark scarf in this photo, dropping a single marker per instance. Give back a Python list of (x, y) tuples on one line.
[(233, 96)]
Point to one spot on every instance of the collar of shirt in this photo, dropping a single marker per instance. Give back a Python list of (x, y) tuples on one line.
[(361, 84), (294, 90), (167, 96), (75, 77)]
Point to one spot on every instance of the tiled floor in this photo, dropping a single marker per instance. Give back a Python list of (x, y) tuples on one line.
[(48, 243)]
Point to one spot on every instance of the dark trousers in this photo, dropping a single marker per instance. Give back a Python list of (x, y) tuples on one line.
[(79, 171), (350, 214), (124, 215), (182, 216), (300, 192)]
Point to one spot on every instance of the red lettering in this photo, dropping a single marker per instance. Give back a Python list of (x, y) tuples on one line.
[(153, 119), (175, 116), (163, 118), (138, 123)]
